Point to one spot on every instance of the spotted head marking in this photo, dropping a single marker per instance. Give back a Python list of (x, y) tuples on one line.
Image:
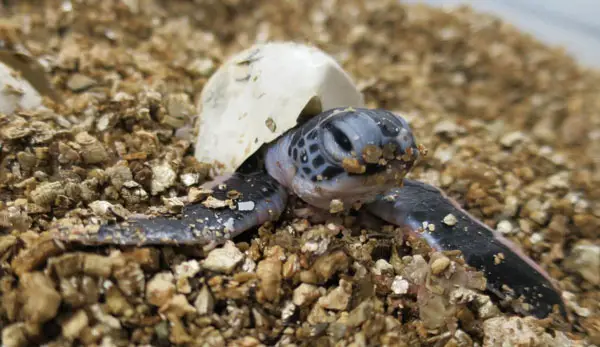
[(348, 154)]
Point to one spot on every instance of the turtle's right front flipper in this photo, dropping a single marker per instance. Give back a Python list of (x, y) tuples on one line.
[(509, 272), (261, 199)]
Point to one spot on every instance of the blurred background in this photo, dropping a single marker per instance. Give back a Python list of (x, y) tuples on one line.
[(573, 24)]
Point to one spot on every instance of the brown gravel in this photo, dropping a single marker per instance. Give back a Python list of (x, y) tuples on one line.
[(512, 128)]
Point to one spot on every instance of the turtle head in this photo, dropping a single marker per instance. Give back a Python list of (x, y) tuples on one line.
[(349, 154)]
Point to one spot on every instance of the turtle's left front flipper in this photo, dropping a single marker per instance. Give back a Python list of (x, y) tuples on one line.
[(136, 232), (260, 198), (509, 272)]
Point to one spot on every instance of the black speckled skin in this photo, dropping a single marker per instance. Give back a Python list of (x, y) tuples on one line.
[(417, 202), (199, 224)]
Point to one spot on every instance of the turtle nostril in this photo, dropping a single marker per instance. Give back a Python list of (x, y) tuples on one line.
[(388, 127)]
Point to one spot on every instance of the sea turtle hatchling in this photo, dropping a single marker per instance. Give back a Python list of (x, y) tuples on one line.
[(347, 153)]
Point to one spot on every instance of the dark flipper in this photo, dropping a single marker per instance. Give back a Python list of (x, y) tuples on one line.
[(504, 265), (261, 199)]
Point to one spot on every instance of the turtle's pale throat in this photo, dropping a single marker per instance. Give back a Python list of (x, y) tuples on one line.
[(278, 163)]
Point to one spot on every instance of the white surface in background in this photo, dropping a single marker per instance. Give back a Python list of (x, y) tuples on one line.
[(572, 24)]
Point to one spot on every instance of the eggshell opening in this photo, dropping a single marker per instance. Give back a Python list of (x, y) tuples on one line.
[(260, 93)]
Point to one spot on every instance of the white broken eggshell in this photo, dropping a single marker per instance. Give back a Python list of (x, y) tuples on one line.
[(259, 94), (16, 92)]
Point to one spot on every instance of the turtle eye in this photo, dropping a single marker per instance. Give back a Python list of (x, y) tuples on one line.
[(339, 137)]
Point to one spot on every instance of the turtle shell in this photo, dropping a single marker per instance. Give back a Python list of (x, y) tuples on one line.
[(260, 93)]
